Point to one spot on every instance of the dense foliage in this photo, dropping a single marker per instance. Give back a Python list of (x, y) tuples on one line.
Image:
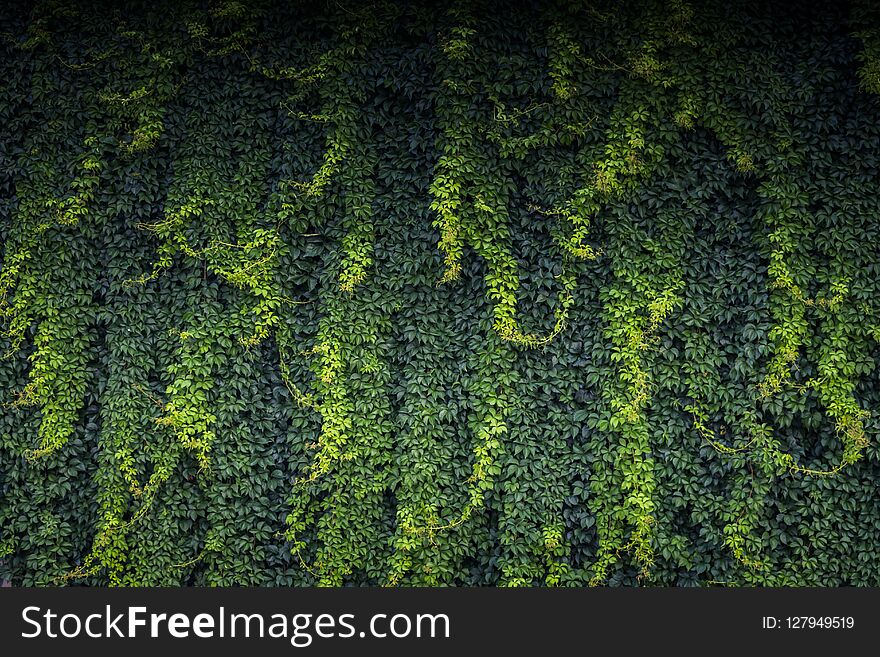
[(555, 294)]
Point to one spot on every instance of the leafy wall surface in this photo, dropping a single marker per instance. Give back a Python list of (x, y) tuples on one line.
[(473, 294)]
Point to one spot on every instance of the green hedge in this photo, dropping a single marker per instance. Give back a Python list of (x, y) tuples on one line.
[(476, 294)]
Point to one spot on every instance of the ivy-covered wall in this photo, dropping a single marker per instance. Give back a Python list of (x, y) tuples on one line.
[(561, 293)]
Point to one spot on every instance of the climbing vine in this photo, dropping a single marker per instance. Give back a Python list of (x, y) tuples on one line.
[(390, 294)]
